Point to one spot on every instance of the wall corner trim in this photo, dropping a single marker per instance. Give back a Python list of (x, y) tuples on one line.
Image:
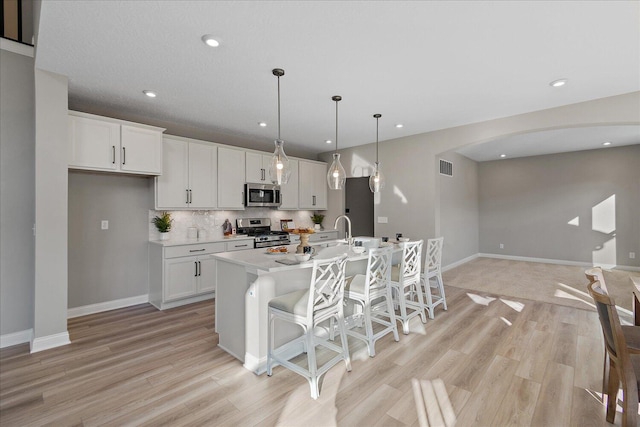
[(15, 338), (50, 341)]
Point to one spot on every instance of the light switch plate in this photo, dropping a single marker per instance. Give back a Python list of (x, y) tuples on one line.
[(383, 220), (104, 224)]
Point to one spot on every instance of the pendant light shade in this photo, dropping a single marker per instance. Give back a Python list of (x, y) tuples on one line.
[(336, 176), (279, 168), (376, 180)]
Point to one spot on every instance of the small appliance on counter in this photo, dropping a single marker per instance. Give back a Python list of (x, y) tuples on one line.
[(260, 230)]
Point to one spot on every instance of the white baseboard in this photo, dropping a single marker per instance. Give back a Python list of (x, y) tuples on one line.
[(106, 306), (15, 338), (50, 341), (559, 261), (459, 263)]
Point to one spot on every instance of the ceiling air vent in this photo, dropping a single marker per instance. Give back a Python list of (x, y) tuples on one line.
[(446, 168)]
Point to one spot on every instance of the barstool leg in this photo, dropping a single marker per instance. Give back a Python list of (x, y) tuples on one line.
[(421, 302), (345, 344)]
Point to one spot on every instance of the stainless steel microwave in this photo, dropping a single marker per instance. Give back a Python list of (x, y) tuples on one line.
[(261, 195)]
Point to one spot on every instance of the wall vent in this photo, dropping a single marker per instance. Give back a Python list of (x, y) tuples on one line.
[(446, 168)]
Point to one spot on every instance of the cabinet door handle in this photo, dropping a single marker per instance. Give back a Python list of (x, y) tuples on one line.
[(314, 200), (187, 191), (199, 268), (197, 250), (190, 196), (242, 198), (124, 155), (262, 172), (196, 264), (113, 154), (241, 246), (324, 237)]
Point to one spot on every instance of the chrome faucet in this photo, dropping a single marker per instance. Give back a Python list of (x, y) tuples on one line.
[(349, 237)]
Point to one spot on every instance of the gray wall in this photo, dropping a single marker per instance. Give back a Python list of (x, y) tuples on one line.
[(527, 205), (410, 199), (106, 265), (17, 200), (459, 213)]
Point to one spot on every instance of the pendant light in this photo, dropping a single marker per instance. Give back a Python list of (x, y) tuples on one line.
[(279, 169), (376, 180), (336, 177)]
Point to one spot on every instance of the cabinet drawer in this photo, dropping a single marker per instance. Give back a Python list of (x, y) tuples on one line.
[(192, 250), (239, 245)]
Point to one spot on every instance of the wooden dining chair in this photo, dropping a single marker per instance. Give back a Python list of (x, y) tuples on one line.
[(623, 366)]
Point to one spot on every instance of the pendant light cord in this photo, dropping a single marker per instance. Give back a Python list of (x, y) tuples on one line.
[(377, 119), (279, 108), (336, 126)]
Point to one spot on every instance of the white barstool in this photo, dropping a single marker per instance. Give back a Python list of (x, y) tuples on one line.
[(405, 280), (365, 289), (322, 301), (433, 270)]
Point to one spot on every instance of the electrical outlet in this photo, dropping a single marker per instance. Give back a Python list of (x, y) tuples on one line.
[(383, 220), (501, 245), (104, 224), (632, 255)]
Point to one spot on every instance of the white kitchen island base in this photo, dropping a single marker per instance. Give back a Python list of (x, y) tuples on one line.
[(246, 282)]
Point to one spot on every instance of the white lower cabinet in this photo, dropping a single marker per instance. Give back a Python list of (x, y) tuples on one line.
[(182, 274)]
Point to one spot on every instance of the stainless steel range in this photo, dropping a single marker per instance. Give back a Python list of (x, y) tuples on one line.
[(260, 229)]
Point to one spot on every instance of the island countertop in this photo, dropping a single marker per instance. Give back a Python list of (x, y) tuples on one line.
[(259, 261)]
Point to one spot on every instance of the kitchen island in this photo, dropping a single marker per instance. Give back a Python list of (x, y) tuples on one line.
[(246, 281)]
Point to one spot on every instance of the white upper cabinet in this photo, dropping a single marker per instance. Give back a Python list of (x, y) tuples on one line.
[(289, 191), (257, 167), (231, 178), (172, 187), (313, 185), (203, 176), (141, 150), (189, 178), (105, 144)]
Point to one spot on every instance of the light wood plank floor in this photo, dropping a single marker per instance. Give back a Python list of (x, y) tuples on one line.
[(487, 361)]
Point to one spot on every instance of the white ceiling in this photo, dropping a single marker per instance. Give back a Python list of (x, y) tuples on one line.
[(428, 65)]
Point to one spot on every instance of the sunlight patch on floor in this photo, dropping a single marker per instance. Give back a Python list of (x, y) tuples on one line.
[(506, 321), (432, 403), (517, 306), (480, 299), (562, 294)]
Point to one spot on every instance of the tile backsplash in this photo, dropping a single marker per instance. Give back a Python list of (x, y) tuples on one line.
[(209, 223)]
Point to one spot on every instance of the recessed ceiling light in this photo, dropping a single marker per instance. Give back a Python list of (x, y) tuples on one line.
[(399, 125), (150, 93), (559, 82), (502, 156), (262, 124), (606, 143), (210, 41), (328, 141)]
